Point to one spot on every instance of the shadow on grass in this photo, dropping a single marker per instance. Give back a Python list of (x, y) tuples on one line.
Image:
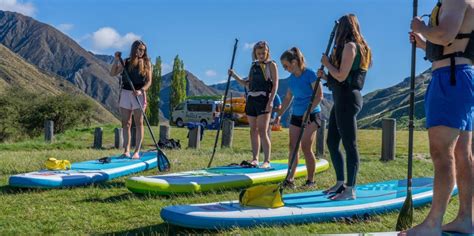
[(7, 190), (162, 229), (167, 229)]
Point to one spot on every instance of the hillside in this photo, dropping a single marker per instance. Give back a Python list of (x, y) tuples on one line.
[(51, 50), (393, 102), (16, 72)]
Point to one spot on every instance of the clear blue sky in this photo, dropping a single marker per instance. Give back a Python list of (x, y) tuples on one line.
[(202, 32)]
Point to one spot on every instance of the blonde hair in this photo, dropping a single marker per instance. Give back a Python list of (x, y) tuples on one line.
[(260, 45)]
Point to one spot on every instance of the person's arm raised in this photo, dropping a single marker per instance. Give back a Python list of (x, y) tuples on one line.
[(348, 55), (450, 20)]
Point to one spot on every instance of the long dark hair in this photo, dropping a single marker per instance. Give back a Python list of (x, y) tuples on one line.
[(349, 31), (144, 64), (294, 54)]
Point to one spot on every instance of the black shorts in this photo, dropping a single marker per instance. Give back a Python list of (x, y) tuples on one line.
[(313, 117), (256, 106)]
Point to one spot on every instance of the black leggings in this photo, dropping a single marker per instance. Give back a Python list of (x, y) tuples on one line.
[(343, 125)]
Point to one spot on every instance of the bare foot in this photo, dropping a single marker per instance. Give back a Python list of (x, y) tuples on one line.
[(125, 155), (459, 225), (347, 194), (422, 229), (136, 155)]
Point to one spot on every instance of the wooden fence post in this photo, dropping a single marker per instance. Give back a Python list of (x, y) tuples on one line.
[(49, 131), (388, 139), (227, 133), (164, 132), (98, 138), (118, 137), (194, 140)]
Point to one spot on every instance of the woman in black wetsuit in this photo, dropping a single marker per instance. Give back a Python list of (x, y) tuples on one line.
[(347, 67)]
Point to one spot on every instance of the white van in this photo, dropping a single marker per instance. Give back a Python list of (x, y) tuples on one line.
[(204, 111)]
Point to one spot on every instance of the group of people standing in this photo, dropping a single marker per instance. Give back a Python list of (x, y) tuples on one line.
[(347, 66), (449, 104)]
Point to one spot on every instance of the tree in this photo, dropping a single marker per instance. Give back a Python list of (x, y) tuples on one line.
[(153, 95), (178, 85)]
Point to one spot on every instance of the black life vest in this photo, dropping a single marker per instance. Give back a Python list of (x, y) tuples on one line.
[(138, 80), (355, 79), (260, 77), (434, 52)]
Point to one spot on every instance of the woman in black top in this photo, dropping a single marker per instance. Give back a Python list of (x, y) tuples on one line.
[(347, 67), (263, 85), (138, 66)]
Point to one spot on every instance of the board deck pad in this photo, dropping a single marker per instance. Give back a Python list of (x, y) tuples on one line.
[(303, 207), (215, 178), (84, 173)]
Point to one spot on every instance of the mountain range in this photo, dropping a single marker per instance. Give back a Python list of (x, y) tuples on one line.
[(56, 63)]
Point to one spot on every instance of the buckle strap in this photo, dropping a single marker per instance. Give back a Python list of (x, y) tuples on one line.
[(453, 70), (465, 35)]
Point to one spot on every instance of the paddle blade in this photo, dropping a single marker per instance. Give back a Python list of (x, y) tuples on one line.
[(405, 218), (163, 162)]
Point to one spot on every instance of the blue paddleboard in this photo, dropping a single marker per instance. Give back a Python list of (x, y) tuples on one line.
[(84, 173), (304, 207)]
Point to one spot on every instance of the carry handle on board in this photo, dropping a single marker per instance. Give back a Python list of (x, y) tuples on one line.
[(308, 110), (162, 161)]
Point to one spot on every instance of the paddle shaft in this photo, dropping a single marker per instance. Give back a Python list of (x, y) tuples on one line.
[(411, 125), (221, 115), (405, 217), (127, 76), (310, 105)]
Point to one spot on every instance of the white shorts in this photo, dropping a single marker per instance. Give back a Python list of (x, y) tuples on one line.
[(129, 102)]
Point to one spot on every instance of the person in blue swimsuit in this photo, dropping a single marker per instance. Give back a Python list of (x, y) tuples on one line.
[(449, 105), (301, 83)]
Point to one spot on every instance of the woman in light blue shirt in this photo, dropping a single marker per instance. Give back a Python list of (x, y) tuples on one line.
[(301, 83)]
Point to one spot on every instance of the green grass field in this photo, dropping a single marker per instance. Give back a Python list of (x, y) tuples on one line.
[(109, 208)]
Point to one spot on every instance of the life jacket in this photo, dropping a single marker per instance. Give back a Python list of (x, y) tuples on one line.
[(260, 77), (138, 80), (356, 77), (434, 52)]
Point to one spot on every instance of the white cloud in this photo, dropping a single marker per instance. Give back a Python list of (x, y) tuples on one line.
[(248, 46), (109, 38), (65, 27), (25, 8), (211, 73)]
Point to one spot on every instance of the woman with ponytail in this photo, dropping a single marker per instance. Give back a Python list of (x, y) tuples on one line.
[(302, 82), (347, 68)]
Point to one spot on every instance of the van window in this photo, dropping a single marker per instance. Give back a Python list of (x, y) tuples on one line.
[(179, 107), (200, 107), (219, 107)]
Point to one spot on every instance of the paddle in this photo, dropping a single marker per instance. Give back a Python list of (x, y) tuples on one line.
[(405, 218), (162, 161), (221, 115), (308, 110)]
